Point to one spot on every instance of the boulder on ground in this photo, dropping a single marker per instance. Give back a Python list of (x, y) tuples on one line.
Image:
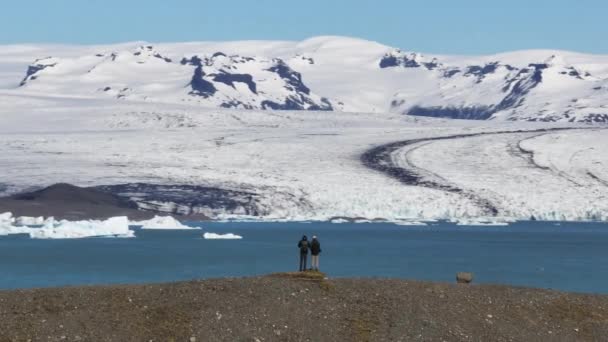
[(464, 277)]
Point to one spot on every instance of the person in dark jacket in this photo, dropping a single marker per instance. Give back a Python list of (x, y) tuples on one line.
[(303, 245), (315, 250)]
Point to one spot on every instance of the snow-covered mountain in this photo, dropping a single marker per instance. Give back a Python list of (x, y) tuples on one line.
[(315, 130), (323, 73)]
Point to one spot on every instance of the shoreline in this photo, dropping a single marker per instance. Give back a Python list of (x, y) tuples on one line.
[(295, 306), (294, 275), (465, 221)]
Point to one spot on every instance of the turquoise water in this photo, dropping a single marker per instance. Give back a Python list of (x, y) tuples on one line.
[(565, 256)]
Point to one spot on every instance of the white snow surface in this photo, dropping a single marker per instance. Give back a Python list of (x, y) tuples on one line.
[(546, 84), (161, 222), (306, 165), (215, 236)]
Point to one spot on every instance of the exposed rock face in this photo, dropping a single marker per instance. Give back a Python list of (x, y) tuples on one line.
[(398, 58), (224, 69), (191, 200), (517, 85), (65, 201), (64, 192), (34, 69)]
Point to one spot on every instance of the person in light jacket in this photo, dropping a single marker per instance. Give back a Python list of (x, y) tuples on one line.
[(315, 250)]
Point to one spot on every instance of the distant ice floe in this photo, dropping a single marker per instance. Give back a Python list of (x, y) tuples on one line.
[(112, 227), (52, 229), (410, 223), (483, 222), (8, 229), (6, 218), (214, 236), (162, 222), (29, 221)]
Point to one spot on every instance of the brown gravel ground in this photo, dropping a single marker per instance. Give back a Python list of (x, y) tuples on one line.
[(292, 307)]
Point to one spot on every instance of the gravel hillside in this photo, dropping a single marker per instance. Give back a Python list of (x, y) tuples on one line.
[(290, 307)]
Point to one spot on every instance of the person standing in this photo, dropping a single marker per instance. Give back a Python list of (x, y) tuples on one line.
[(315, 250), (303, 245)]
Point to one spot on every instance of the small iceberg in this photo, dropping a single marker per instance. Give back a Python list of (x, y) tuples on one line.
[(482, 221), (410, 223), (6, 218), (162, 222), (29, 221), (52, 229), (214, 236), (112, 227), (9, 229), (7, 226)]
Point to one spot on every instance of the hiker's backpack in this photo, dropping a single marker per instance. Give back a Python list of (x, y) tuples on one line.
[(303, 247)]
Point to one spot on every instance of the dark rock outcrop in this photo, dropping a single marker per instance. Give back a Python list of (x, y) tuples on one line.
[(65, 201), (516, 89), (412, 60), (230, 79), (33, 70)]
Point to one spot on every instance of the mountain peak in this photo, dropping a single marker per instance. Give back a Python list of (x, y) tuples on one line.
[(329, 73)]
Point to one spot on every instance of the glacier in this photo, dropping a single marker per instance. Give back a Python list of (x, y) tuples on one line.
[(348, 149)]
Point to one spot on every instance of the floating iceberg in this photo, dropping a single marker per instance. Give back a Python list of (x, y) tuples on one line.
[(161, 222), (51, 229), (8, 229), (112, 227), (482, 222), (6, 218), (214, 236), (29, 221), (410, 223)]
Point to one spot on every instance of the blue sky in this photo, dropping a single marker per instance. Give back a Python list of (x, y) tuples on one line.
[(438, 26)]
